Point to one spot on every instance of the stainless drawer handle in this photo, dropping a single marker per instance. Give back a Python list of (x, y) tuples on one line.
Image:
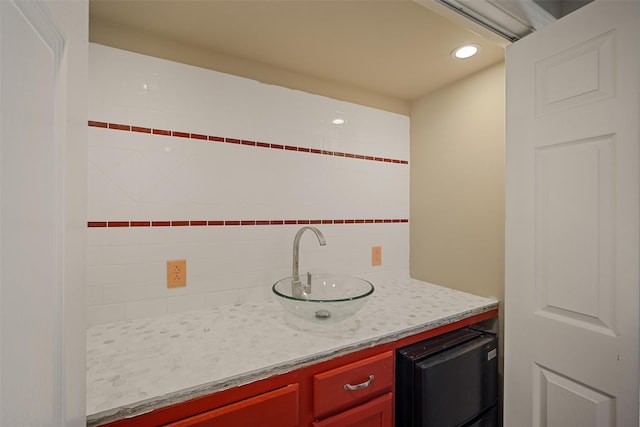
[(361, 385)]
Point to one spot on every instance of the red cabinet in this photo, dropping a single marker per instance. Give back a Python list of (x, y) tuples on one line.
[(275, 408)]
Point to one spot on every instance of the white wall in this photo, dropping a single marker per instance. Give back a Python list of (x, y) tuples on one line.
[(145, 177)]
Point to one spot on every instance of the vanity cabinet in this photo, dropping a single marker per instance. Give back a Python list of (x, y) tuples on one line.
[(348, 390)]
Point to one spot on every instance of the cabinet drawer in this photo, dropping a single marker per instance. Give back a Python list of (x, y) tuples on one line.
[(352, 384), (277, 408), (375, 413)]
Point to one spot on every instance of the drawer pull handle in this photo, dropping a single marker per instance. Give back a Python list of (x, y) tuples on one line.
[(361, 385)]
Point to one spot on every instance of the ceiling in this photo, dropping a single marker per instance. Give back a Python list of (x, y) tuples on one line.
[(389, 52)]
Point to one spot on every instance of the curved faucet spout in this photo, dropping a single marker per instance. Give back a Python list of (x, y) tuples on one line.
[(296, 248)]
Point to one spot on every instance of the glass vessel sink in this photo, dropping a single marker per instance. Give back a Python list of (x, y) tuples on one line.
[(323, 298)]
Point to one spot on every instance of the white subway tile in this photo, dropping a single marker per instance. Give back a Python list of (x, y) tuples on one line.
[(216, 299), (155, 290), (104, 274), (254, 295), (94, 295), (94, 254), (114, 294), (146, 308), (100, 314), (186, 303), (149, 272)]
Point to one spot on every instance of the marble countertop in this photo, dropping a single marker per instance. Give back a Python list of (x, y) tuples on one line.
[(140, 365)]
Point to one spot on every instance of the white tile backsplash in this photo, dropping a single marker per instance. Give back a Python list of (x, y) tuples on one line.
[(145, 177)]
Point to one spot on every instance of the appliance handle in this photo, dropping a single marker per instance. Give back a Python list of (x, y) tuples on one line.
[(361, 385)]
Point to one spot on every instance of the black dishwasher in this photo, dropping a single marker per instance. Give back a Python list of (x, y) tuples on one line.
[(448, 381)]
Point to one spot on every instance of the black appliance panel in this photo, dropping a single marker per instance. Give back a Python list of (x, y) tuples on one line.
[(448, 381)]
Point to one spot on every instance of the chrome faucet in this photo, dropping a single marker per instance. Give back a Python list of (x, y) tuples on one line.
[(297, 288)]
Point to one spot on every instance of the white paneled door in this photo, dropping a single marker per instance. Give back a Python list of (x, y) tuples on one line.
[(572, 249), (43, 128)]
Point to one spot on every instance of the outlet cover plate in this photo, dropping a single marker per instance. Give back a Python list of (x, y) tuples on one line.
[(177, 273), (376, 255)]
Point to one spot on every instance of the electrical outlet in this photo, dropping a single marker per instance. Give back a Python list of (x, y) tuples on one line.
[(176, 273), (376, 255)]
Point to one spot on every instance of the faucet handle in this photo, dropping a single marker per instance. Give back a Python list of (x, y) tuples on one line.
[(307, 288)]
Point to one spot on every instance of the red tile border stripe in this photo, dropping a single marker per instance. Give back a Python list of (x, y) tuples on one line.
[(244, 222), (213, 138), (139, 129), (181, 134), (140, 223), (98, 124), (97, 224), (117, 126), (118, 224)]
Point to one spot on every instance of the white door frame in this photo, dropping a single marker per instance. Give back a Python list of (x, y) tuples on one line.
[(43, 135)]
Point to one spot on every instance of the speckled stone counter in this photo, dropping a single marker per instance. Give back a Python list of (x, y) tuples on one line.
[(140, 365)]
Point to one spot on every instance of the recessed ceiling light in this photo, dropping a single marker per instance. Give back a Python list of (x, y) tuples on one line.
[(466, 51), (338, 122)]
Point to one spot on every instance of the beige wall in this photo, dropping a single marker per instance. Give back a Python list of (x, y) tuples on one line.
[(159, 47), (457, 185)]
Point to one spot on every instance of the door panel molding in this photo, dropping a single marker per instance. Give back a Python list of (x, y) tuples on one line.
[(575, 232), (581, 74), (554, 392)]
